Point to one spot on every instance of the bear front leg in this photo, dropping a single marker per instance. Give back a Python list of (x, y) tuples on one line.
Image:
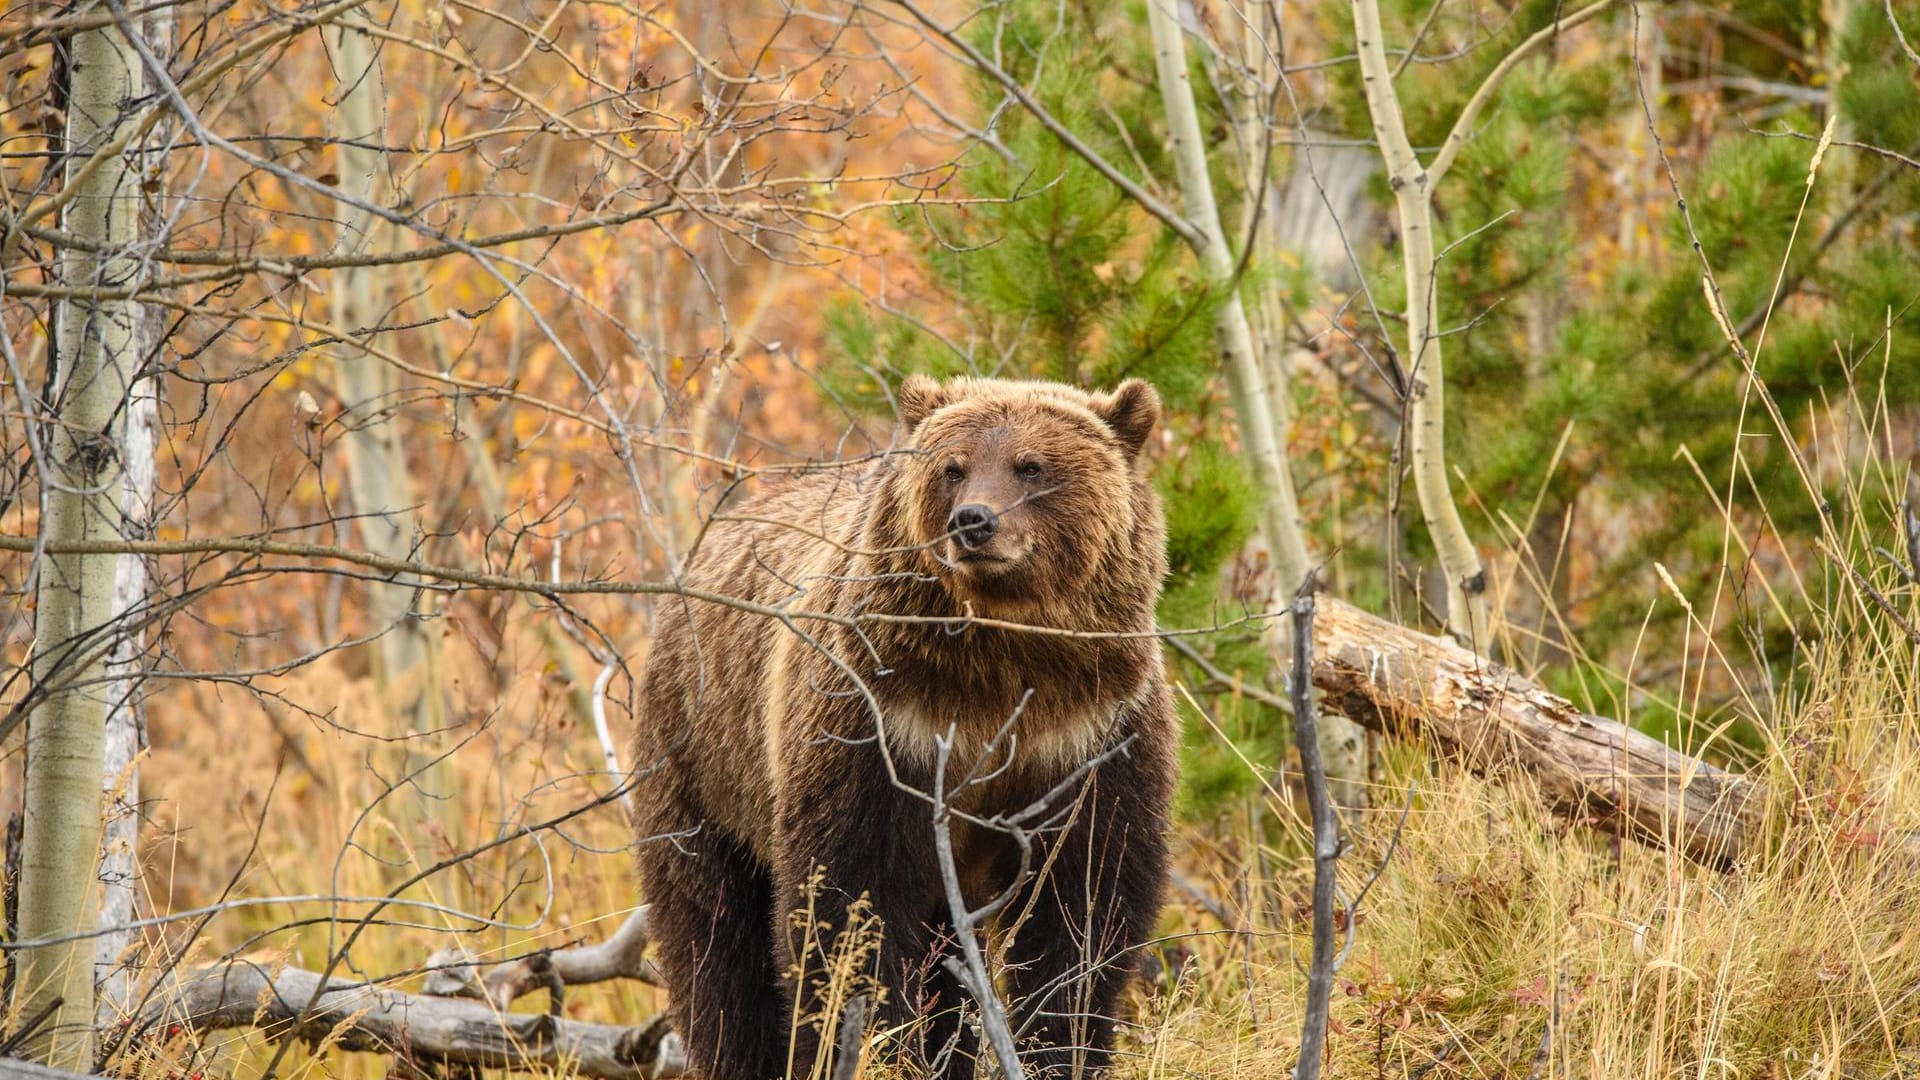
[(857, 886), (712, 920), (1091, 912)]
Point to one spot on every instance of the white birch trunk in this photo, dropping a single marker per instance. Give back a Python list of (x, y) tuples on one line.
[(1413, 197), (95, 354), (126, 723), (1256, 378), (126, 734), (381, 486), (1281, 527)]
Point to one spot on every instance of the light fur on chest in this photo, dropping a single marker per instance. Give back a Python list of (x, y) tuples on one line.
[(1048, 740)]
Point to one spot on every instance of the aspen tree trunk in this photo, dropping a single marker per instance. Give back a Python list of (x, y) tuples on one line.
[(126, 723), (1240, 88), (382, 488), (95, 354), (1280, 522), (126, 728), (1412, 185), (1260, 397)]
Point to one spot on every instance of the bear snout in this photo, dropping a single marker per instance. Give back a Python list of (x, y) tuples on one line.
[(973, 524)]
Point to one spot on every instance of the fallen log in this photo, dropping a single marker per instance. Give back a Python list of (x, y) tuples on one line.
[(421, 1028), (1588, 768)]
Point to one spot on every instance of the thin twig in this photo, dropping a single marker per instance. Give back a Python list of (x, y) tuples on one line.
[(970, 967), (1872, 593), (1900, 34)]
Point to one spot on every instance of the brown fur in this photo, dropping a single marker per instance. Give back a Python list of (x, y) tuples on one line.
[(761, 755)]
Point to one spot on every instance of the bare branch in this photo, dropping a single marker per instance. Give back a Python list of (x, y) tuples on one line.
[(621, 956), (1326, 837), (970, 967), (1470, 112), (1900, 34)]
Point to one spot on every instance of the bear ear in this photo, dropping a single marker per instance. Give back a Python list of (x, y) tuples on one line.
[(1132, 411), (919, 398)]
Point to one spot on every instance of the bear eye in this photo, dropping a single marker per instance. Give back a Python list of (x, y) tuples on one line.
[(954, 475), (1029, 471)]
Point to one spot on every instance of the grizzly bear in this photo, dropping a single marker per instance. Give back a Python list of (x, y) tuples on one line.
[(787, 763)]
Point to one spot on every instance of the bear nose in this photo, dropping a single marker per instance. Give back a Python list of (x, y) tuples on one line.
[(974, 524)]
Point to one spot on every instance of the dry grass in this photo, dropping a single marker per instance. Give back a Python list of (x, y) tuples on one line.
[(1500, 943)]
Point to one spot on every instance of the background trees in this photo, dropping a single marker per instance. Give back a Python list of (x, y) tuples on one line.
[(311, 297)]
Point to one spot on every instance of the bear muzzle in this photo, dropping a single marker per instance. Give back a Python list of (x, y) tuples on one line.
[(973, 525)]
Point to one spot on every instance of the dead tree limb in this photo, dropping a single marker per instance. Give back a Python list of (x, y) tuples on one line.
[(1588, 768), (622, 956), (357, 1016), (1326, 838)]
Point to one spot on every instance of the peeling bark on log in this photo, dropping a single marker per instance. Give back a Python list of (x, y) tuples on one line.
[(419, 1027), (1588, 768)]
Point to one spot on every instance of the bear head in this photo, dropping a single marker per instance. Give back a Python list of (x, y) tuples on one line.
[(1019, 493)]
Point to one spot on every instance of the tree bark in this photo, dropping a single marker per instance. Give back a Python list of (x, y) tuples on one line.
[(1324, 963), (126, 720), (440, 1025), (1588, 769), (1412, 187), (622, 956), (126, 726), (95, 358), (1260, 396), (1261, 440)]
